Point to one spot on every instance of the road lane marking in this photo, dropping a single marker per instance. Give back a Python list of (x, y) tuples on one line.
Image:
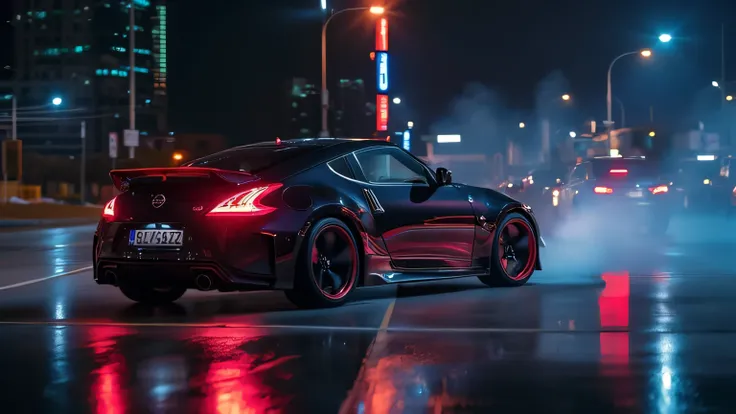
[(43, 279), (349, 404), (387, 315)]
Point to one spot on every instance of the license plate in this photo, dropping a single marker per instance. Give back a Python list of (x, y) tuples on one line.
[(163, 238), (636, 194)]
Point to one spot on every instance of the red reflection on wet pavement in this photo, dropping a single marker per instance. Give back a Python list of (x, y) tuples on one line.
[(613, 305), (108, 393), (236, 381)]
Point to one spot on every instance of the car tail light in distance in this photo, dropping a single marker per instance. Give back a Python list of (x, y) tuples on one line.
[(619, 171), (603, 190), (109, 211), (247, 203), (660, 189)]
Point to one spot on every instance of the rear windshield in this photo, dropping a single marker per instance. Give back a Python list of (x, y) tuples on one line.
[(625, 168), (252, 159)]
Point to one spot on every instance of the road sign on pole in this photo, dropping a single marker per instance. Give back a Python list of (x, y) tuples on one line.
[(113, 139), (130, 138)]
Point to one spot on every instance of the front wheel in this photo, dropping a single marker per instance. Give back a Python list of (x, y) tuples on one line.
[(327, 268), (150, 295), (514, 253)]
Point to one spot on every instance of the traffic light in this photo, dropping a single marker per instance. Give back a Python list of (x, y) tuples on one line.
[(12, 159)]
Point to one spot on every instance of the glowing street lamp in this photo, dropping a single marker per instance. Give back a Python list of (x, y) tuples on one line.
[(376, 10), (729, 98), (522, 125), (609, 96), (665, 38), (565, 97), (573, 134), (56, 101), (177, 156), (715, 84), (397, 100)]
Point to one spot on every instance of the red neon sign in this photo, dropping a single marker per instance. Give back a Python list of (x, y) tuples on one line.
[(382, 35), (381, 112)]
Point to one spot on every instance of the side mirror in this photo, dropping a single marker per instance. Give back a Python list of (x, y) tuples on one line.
[(443, 176)]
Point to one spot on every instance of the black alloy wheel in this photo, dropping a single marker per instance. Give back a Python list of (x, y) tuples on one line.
[(329, 264), (514, 253)]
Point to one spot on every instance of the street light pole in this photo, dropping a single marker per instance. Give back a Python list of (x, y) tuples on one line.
[(131, 74), (325, 132), (609, 94), (15, 118), (83, 169)]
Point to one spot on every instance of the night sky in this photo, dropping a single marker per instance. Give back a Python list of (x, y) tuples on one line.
[(229, 59)]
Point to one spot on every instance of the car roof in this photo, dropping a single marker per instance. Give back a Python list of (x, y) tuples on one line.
[(355, 143)]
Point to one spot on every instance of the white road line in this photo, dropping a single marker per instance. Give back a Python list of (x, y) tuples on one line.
[(43, 279), (379, 341)]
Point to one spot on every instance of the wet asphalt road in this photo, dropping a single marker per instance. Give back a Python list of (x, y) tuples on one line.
[(629, 325)]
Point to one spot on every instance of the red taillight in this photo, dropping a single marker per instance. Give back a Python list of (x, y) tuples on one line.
[(660, 189), (618, 172), (603, 190), (109, 210), (247, 203)]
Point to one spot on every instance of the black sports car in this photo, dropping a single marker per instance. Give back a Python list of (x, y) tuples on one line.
[(313, 217)]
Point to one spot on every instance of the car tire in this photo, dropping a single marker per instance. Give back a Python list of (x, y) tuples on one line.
[(151, 295), (523, 243), (329, 256)]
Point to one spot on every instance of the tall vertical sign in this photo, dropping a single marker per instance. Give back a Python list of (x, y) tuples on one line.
[(382, 79)]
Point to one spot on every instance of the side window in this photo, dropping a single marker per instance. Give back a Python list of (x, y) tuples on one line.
[(390, 165), (341, 167), (579, 173)]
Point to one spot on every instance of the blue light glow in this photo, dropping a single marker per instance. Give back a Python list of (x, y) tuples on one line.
[(406, 142), (382, 71), (324, 4)]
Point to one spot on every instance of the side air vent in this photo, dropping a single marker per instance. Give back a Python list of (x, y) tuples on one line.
[(373, 202)]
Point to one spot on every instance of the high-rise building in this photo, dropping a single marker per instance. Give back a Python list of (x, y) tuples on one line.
[(353, 113), (303, 112), (78, 50)]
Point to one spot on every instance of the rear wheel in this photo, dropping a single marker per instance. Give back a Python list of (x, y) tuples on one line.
[(151, 295), (514, 253), (327, 268)]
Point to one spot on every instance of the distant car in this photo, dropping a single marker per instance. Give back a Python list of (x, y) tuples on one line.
[(315, 218), (616, 191)]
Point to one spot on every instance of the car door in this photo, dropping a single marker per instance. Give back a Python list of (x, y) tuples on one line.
[(573, 184), (424, 225)]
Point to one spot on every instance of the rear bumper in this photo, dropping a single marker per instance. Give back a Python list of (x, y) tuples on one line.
[(236, 256), (114, 272)]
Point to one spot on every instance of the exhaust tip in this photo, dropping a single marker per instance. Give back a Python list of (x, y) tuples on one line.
[(203, 282), (111, 277)]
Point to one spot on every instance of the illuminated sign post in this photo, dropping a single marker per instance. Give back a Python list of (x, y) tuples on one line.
[(382, 35), (381, 57), (406, 142), (382, 113), (382, 71)]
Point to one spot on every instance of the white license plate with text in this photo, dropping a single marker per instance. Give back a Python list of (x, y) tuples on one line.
[(636, 194), (164, 238)]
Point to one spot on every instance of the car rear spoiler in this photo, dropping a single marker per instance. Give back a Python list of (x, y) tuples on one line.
[(122, 177)]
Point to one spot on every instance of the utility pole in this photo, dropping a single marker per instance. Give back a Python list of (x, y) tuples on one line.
[(15, 117), (83, 169), (131, 74)]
